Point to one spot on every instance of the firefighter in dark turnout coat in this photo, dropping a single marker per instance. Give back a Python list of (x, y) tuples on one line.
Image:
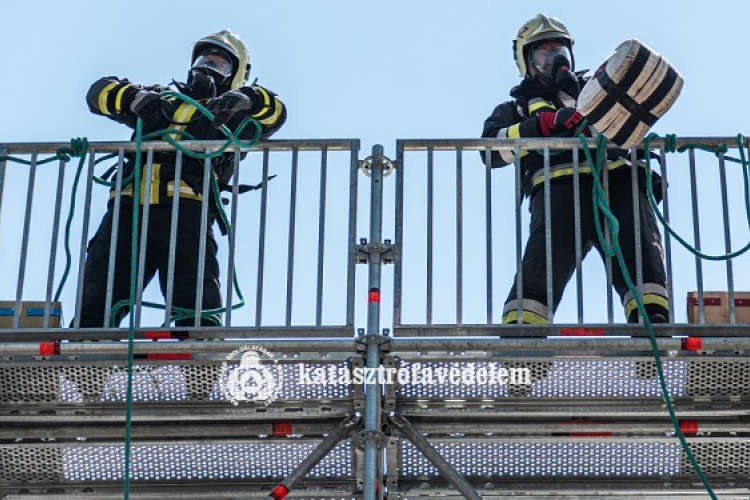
[(543, 105), (220, 65)]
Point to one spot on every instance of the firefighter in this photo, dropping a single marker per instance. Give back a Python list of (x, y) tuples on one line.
[(543, 105), (220, 64)]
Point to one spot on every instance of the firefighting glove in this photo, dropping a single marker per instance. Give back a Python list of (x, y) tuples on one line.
[(225, 106), (562, 122), (156, 87), (145, 104)]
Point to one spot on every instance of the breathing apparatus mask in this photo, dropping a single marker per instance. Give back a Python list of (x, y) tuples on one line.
[(209, 75), (551, 60)]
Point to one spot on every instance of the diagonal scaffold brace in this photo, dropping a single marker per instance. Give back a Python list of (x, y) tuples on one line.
[(342, 431), (441, 464)]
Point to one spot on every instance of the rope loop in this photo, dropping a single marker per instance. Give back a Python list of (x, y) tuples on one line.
[(670, 145), (79, 146)]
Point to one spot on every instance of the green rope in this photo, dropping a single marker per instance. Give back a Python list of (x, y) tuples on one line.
[(614, 250), (79, 147), (181, 313), (131, 302), (671, 140)]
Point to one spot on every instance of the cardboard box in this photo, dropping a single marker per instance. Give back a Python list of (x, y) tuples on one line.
[(716, 307), (32, 314)]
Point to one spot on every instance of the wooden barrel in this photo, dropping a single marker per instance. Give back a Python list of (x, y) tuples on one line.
[(627, 94)]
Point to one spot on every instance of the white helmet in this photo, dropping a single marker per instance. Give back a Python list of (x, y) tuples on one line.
[(540, 27), (235, 49)]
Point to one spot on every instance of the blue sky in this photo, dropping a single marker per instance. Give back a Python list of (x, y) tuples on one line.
[(376, 71)]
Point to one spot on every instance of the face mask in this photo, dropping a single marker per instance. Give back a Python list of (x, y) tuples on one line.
[(549, 62), (545, 59), (200, 84)]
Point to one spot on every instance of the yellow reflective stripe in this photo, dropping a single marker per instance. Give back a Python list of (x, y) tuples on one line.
[(183, 115), (103, 98), (185, 191), (266, 97), (583, 169), (155, 173), (538, 105), (128, 190), (527, 317), (275, 116), (514, 131), (266, 102), (649, 298), (619, 163), (561, 172), (118, 99)]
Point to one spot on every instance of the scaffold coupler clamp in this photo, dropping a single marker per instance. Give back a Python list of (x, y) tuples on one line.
[(383, 341), (364, 250), (377, 437), (367, 164)]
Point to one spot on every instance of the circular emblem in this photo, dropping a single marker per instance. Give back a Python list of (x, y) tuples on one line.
[(250, 374)]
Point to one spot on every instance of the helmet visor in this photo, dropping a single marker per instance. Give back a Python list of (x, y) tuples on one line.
[(542, 57), (215, 60)]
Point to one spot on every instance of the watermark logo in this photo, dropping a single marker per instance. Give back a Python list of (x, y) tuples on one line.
[(469, 374), (250, 374)]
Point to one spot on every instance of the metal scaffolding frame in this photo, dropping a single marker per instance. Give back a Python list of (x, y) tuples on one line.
[(588, 422)]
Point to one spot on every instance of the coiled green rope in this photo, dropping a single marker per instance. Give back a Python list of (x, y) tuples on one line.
[(670, 143), (79, 147)]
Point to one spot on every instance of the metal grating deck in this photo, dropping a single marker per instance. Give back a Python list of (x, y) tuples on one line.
[(76, 381), (168, 461), (590, 378), (576, 457)]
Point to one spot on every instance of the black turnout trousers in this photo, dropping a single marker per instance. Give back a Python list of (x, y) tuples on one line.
[(157, 255), (562, 199)]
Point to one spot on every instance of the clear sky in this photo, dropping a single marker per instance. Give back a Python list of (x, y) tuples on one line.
[(375, 71)]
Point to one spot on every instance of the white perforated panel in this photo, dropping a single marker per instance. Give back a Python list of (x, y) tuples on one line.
[(46, 382), (576, 458), (597, 378), (158, 462)]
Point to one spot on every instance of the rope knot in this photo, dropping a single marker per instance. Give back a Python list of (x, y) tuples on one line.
[(670, 143), (720, 149), (78, 148)]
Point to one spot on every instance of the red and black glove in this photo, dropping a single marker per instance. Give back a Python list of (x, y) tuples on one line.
[(561, 122)]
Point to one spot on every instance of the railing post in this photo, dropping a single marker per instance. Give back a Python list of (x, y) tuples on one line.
[(372, 352), (3, 152)]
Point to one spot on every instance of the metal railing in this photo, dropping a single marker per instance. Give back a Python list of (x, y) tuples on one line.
[(460, 229), (292, 245)]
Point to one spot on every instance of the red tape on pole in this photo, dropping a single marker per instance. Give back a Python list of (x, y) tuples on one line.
[(49, 348), (280, 492), (692, 343)]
